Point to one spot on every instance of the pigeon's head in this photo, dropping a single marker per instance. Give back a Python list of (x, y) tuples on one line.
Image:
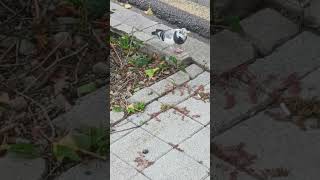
[(183, 32)]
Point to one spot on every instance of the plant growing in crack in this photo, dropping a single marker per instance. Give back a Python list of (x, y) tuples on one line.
[(136, 107)]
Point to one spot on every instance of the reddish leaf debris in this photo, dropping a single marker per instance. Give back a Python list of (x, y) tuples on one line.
[(242, 161), (230, 100), (142, 162), (175, 146)]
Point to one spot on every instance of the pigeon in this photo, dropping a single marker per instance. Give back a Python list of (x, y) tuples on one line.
[(172, 37)]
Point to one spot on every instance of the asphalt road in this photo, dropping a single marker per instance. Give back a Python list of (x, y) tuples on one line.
[(174, 16)]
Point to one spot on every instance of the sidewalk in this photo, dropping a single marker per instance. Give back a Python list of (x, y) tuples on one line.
[(269, 148), (173, 142)]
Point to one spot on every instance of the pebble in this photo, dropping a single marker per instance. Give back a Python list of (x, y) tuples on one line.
[(63, 36), (145, 151), (26, 47), (19, 103), (100, 68)]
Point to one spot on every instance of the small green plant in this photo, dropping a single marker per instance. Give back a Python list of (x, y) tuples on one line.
[(178, 65), (117, 109), (127, 42), (24, 150), (151, 72), (139, 60), (136, 107), (88, 141), (165, 107)]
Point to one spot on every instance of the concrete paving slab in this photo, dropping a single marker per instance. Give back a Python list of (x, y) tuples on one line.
[(199, 51), (226, 42), (176, 165), (299, 55), (222, 171), (14, 168), (179, 78), (198, 147), (150, 110), (275, 144), (145, 95), (90, 111), (119, 170), (193, 70), (116, 116), (199, 110), (162, 87), (166, 124), (267, 29), (130, 147), (93, 170), (120, 130)]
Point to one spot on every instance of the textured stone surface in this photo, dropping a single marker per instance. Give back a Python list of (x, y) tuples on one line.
[(121, 170), (15, 168), (145, 95), (150, 110), (162, 87), (93, 170), (198, 146), (179, 78), (313, 14), (176, 165), (268, 28), (166, 124), (275, 143), (90, 110), (115, 116), (299, 55), (199, 110), (120, 130), (229, 51), (128, 147), (199, 51), (193, 70)]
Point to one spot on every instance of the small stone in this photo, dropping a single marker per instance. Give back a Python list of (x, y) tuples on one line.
[(100, 68), (29, 80), (145, 151), (78, 41), (19, 103), (26, 47), (63, 36), (4, 98)]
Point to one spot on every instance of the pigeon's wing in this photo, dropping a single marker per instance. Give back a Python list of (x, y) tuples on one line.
[(168, 36)]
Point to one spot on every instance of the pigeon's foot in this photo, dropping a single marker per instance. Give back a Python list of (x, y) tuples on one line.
[(178, 50)]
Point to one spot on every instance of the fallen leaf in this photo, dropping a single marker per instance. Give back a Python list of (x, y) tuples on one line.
[(127, 6), (149, 12)]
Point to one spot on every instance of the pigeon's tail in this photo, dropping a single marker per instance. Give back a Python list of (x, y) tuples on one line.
[(156, 32)]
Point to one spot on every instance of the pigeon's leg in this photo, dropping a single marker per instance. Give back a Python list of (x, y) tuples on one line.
[(177, 50)]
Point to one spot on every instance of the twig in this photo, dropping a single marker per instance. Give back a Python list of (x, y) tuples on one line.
[(37, 10), (114, 49), (49, 55), (130, 44), (7, 128), (42, 108), (8, 8), (10, 65), (92, 154), (66, 57), (77, 66), (7, 51)]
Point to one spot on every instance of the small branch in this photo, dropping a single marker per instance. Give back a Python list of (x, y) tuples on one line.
[(42, 108), (8, 8)]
